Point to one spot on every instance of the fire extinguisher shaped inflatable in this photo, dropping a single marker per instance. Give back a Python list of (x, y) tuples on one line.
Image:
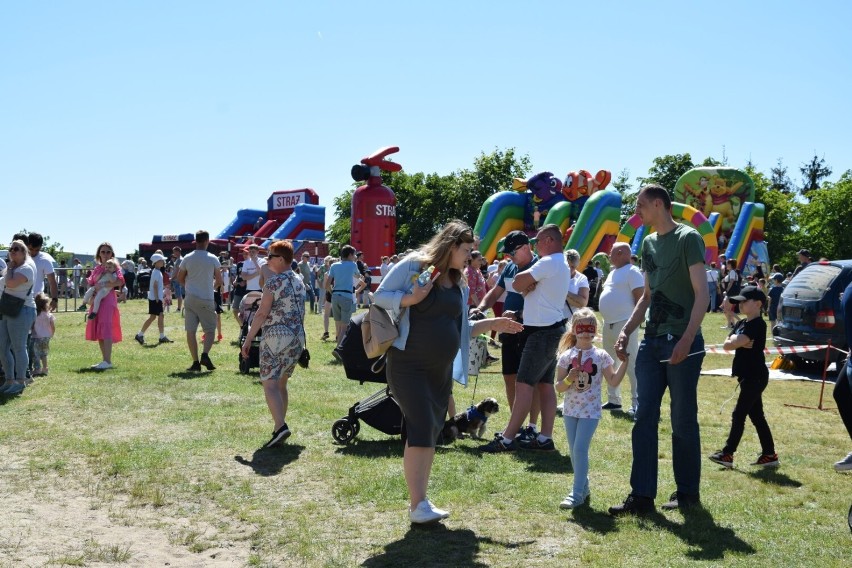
[(374, 208)]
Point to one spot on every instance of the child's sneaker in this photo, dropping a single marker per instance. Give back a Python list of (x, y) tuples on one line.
[(722, 459), (767, 460), (93, 315)]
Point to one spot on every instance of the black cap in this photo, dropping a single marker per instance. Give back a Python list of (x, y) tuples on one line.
[(359, 253), (512, 241), (749, 293), (805, 252)]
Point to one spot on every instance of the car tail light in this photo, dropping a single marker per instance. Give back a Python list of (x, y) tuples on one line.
[(824, 319)]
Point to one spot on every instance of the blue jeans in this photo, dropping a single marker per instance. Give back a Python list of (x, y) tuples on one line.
[(13, 343), (711, 288), (580, 432), (653, 378)]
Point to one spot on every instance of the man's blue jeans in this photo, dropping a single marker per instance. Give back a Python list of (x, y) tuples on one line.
[(653, 378)]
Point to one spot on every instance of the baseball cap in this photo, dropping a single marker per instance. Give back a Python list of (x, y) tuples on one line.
[(805, 252), (749, 293), (778, 277), (512, 241)]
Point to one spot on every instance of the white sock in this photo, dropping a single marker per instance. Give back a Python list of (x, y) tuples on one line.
[(542, 438), (507, 441), (162, 335)]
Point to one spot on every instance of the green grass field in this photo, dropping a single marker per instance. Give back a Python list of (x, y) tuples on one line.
[(169, 463)]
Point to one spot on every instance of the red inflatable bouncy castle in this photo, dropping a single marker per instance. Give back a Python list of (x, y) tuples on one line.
[(374, 208)]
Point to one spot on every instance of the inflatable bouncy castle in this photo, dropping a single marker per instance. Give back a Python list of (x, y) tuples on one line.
[(289, 214), (717, 202)]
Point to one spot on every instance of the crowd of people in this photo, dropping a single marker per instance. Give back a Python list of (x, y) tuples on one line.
[(542, 324)]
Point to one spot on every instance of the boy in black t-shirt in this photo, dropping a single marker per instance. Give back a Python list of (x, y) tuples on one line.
[(749, 339)]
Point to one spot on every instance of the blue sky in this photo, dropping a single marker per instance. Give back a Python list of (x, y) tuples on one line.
[(121, 120)]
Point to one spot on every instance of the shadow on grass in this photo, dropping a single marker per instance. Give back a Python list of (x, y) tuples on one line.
[(591, 520), (435, 545), (189, 374), (270, 461), (773, 476), (536, 461), (92, 370), (389, 448), (708, 541), (621, 415)]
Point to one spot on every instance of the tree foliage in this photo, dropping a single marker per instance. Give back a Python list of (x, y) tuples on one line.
[(827, 219), (667, 170), (779, 179), (813, 173), (628, 197)]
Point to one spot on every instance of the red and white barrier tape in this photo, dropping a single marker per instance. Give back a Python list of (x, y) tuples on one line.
[(778, 350)]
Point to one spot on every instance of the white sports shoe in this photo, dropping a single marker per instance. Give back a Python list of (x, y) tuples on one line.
[(102, 366), (426, 512), (845, 464)]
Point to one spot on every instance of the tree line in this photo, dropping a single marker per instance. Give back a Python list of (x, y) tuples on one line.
[(815, 213)]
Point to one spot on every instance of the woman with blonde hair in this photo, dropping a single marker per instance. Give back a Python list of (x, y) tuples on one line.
[(281, 315), (105, 327), (18, 282), (431, 310)]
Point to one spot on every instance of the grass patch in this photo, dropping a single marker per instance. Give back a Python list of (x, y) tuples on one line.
[(159, 445)]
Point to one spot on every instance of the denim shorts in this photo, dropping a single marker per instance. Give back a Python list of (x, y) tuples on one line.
[(342, 307), (538, 360)]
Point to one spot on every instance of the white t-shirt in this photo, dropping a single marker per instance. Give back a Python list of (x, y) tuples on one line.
[(200, 267), (579, 281), (616, 301), (156, 278), (712, 276), (583, 397), (44, 266), (544, 305), (251, 273)]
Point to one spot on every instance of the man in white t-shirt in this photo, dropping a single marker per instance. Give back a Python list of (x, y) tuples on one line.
[(44, 269), (252, 269), (621, 292), (545, 287), (199, 275)]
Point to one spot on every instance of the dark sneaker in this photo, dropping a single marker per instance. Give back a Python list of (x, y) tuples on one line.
[(526, 433), (140, 339), (722, 459), (681, 501), (633, 505), (767, 460), (165, 339), (195, 367), (611, 406), (537, 445), (278, 436), (92, 315), (497, 446), (205, 360), (324, 336)]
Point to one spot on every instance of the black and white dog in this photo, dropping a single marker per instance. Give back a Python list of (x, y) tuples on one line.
[(471, 421)]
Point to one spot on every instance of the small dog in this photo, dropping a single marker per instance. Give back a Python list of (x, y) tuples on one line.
[(471, 422)]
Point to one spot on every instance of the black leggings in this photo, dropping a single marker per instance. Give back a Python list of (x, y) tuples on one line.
[(750, 404), (843, 396)]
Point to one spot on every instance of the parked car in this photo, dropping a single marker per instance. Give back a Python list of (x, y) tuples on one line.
[(810, 313)]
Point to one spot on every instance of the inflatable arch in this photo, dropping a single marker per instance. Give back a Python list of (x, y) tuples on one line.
[(634, 232)]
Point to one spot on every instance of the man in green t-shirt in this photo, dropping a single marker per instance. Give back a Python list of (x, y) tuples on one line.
[(670, 355)]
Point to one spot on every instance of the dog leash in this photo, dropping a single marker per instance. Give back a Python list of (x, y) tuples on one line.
[(733, 394)]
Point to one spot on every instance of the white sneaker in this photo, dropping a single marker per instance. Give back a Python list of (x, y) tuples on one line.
[(102, 366), (426, 512), (845, 464)]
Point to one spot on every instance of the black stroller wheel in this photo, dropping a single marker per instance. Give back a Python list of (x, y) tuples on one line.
[(344, 431), (357, 426)]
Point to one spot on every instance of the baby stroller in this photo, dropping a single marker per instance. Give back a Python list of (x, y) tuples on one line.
[(379, 410), (247, 311)]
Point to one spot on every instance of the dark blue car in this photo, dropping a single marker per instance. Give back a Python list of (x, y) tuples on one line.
[(810, 313)]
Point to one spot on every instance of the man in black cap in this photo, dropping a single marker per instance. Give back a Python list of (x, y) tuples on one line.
[(804, 260), (516, 247)]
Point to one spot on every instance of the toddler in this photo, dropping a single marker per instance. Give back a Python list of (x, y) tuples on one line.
[(749, 339), (102, 287), (579, 369), (44, 327)]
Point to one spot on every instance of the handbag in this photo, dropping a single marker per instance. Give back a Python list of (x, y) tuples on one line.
[(11, 305), (304, 358), (378, 331)]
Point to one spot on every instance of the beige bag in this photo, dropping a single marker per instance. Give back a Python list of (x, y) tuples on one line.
[(378, 331)]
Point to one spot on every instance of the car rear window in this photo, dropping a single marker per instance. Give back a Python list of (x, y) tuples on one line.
[(812, 282)]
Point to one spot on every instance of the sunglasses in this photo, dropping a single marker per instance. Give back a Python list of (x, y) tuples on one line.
[(585, 328), (17, 249), (274, 256), (517, 248)]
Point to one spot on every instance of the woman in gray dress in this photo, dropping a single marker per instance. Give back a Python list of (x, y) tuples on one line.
[(425, 358), (281, 315)]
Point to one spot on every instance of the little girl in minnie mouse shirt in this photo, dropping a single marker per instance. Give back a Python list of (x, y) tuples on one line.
[(579, 368)]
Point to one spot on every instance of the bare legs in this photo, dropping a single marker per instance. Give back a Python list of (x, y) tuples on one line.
[(277, 399)]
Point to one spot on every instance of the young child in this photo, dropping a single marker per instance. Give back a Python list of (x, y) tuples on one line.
[(44, 327), (749, 340), (579, 368), (155, 300), (103, 286), (774, 296)]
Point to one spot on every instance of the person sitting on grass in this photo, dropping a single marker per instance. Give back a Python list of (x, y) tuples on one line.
[(103, 287), (749, 339)]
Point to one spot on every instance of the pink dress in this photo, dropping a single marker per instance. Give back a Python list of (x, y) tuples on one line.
[(107, 324)]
